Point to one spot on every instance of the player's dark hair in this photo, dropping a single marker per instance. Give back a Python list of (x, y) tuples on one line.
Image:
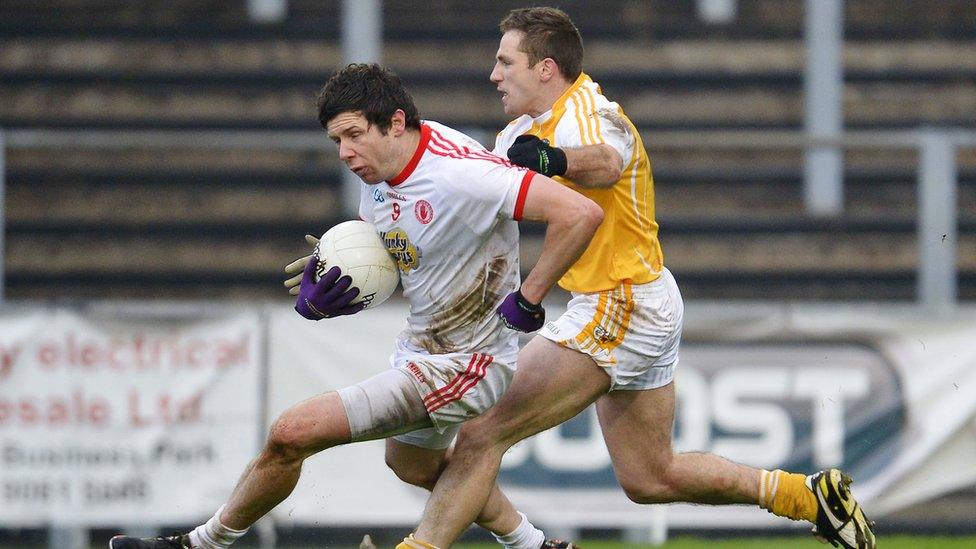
[(370, 89), (548, 32)]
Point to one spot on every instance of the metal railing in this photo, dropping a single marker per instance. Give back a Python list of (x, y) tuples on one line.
[(936, 177)]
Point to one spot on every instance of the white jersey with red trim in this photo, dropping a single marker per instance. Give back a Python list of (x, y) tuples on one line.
[(449, 219)]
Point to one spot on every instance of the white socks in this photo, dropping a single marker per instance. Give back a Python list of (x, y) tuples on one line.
[(525, 536), (213, 534)]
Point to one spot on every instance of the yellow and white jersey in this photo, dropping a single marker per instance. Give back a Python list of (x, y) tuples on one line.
[(625, 248)]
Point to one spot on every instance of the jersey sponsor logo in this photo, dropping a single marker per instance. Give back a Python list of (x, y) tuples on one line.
[(395, 196), (406, 254), (424, 211), (378, 196)]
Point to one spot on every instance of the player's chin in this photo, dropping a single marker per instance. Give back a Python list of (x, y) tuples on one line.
[(510, 109), (367, 177)]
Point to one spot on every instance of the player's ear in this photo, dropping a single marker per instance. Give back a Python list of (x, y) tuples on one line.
[(547, 69), (398, 122)]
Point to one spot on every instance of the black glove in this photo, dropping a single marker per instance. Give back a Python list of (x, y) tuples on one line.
[(535, 154)]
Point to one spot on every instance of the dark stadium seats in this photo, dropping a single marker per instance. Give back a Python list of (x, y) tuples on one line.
[(200, 223)]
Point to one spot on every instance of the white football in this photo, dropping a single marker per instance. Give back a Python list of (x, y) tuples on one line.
[(357, 249)]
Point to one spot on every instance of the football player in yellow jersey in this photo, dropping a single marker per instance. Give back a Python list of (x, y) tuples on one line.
[(617, 344)]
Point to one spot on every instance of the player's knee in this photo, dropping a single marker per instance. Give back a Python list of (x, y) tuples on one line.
[(284, 439), (480, 436), (422, 475), (650, 485), (289, 438), (647, 491)]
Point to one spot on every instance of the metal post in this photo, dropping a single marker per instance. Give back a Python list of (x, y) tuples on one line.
[(561, 531), (937, 226), (267, 11), (267, 534), (716, 12), (659, 525), (3, 215), (68, 537), (265, 526), (362, 42), (823, 87), (141, 531), (362, 31), (655, 534)]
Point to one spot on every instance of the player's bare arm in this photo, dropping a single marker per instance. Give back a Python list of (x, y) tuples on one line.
[(595, 166), (571, 221)]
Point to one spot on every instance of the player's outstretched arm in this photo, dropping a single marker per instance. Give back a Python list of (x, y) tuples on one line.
[(571, 220), (596, 165)]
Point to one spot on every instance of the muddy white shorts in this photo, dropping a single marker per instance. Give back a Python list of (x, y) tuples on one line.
[(449, 389), (632, 331)]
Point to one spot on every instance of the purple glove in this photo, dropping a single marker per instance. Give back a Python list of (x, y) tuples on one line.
[(328, 297), (518, 314)]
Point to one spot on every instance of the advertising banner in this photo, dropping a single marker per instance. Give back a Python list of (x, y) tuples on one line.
[(876, 392), (124, 421), (114, 419)]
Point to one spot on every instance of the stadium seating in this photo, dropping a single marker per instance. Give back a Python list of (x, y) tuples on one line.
[(182, 222)]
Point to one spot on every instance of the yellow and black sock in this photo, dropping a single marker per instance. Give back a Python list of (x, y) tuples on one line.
[(786, 495), (411, 542)]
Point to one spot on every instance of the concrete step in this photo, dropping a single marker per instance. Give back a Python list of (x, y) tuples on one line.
[(138, 204), (68, 159), (952, 103), (473, 58), (241, 197), (770, 266), (634, 19)]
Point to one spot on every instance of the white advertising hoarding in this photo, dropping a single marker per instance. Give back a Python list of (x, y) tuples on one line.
[(877, 392), (348, 484), (124, 421), (116, 420)]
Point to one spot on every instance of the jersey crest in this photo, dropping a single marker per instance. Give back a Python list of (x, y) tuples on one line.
[(424, 211)]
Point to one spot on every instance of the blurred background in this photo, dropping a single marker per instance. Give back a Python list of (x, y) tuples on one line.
[(815, 169)]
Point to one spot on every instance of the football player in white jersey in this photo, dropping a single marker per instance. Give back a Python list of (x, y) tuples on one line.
[(617, 344), (447, 209)]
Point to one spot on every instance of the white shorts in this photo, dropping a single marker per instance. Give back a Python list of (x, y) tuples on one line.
[(632, 331), (448, 389)]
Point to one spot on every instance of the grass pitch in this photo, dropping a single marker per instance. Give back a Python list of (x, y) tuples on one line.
[(796, 542), (682, 542)]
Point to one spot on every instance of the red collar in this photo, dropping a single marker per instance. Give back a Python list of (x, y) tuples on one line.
[(412, 165)]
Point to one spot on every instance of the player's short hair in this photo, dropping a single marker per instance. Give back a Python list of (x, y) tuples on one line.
[(548, 32), (370, 89)]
